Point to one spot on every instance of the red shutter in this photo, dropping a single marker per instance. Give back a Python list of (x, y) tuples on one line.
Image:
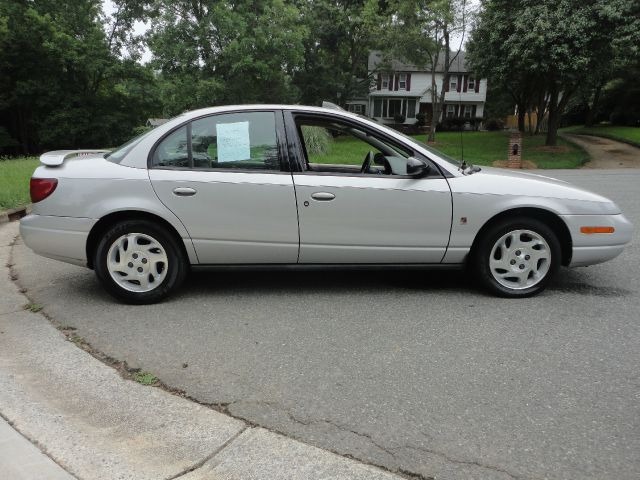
[(396, 82), (457, 114), (473, 111), (408, 82), (477, 85), (465, 79), (446, 83), (379, 81), (459, 82)]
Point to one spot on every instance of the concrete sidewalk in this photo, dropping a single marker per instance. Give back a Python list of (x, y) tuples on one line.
[(86, 419)]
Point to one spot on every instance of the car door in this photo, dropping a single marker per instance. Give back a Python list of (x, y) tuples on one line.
[(346, 216), (225, 178)]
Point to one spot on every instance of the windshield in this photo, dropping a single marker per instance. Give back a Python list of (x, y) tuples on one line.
[(119, 153)]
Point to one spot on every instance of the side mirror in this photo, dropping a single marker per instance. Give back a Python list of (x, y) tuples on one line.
[(417, 168)]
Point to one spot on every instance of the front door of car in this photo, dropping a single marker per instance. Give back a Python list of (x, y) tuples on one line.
[(379, 216), (224, 177)]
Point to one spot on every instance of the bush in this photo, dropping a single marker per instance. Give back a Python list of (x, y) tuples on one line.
[(421, 119), (317, 140), (494, 124), (399, 118)]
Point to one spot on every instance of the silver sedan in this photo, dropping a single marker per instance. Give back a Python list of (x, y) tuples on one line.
[(291, 186)]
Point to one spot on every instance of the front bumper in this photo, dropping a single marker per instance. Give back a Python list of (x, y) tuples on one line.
[(590, 249), (60, 238)]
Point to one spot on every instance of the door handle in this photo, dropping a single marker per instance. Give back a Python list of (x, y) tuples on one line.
[(184, 191), (323, 196)]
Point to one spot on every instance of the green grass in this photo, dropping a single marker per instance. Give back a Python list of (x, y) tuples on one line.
[(480, 148), (144, 378), (14, 181), (624, 134)]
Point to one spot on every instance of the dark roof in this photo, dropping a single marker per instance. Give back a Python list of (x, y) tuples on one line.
[(458, 64)]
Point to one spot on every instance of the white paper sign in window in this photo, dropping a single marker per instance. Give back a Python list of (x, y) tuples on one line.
[(233, 141)]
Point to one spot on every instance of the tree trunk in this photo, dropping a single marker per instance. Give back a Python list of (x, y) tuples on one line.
[(541, 108), (552, 124), (594, 106), (521, 113)]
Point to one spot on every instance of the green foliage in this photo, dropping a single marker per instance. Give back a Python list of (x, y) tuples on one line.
[(63, 83), (544, 51), (14, 181), (629, 135), (144, 378), (317, 140)]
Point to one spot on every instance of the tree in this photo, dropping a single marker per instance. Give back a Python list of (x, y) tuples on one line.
[(546, 49), (62, 83), (420, 33), (210, 52), (341, 35)]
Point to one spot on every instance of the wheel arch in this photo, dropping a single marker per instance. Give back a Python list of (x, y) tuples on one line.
[(548, 217), (102, 225)]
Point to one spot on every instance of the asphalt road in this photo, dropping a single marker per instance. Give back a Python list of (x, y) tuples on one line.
[(418, 372)]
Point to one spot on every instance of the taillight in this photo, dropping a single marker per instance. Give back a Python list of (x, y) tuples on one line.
[(41, 188)]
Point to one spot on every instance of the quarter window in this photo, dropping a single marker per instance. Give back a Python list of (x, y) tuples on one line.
[(173, 150), (244, 141)]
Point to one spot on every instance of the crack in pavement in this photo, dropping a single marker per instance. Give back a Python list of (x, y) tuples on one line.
[(391, 451), (216, 452)]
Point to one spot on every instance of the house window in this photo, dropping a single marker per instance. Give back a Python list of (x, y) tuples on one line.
[(377, 107), (453, 83), (411, 109), (402, 81), (451, 111), (395, 107), (356, 108), (385, 80), (472, 84), (467, 111)]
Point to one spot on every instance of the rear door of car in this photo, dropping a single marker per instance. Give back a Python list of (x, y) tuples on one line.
[(364, 218), (226, 177)]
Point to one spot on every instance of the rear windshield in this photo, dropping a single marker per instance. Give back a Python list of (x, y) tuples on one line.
[(117, 155)]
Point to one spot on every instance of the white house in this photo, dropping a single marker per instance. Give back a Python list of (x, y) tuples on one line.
[(401, 89)]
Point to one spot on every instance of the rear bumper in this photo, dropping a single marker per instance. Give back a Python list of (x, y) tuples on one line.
[(590, 249), (60, 238)]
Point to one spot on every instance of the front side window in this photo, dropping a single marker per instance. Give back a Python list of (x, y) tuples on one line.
[(245, 141), (336, 147), (472, 84), (467, 111), (453, 83)]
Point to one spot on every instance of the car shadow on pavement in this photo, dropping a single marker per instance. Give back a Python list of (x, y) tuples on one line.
[(324, 281)]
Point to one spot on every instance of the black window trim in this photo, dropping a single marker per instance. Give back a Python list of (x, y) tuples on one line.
[(283, 155), (297, 153)]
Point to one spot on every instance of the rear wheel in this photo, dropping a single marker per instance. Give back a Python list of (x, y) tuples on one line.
[(139, 262), (517, 257)]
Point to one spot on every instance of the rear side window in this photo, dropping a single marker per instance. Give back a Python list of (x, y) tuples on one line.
[(241, 141)]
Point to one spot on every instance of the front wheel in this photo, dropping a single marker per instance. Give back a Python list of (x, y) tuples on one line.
[(139, 262), (517, 258)]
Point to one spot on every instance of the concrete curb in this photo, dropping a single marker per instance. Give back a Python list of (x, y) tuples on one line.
[(12, 214), (97, 425)]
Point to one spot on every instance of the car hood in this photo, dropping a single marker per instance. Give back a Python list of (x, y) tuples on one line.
[(497, 181)]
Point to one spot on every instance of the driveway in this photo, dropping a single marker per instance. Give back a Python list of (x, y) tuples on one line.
[(606, 153), (418, 372)]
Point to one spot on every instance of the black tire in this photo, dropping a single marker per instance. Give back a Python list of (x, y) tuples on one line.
[(176, 269), (481, 256)]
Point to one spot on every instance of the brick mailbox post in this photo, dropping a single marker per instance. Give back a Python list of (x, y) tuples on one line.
[(515, 151)]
